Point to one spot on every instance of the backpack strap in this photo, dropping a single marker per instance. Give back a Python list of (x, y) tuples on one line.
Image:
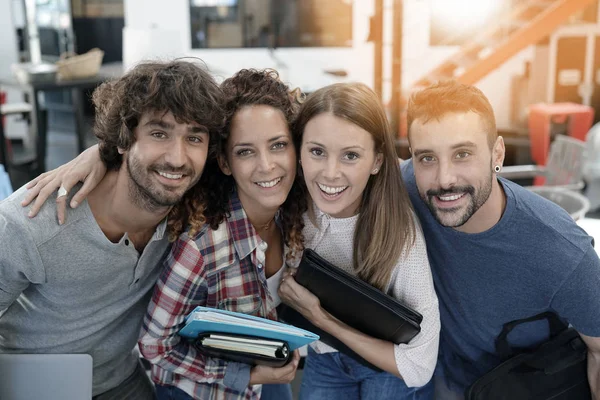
[(504, 349)]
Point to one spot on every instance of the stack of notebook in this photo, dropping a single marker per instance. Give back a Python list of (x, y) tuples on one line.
[(242, 337)]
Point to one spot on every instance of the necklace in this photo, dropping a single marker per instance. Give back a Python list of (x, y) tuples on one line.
[(267, 225)]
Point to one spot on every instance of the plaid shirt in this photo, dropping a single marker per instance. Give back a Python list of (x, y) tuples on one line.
[(216, 268)]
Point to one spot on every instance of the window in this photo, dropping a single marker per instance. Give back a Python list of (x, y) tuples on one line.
[(270, 23)]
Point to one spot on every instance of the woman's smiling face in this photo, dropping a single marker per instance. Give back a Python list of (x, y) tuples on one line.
[(338, 158), (260, 157)]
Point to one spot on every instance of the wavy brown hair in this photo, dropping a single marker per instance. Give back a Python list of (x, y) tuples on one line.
[(184, 88), (246, 88), (385, 225)]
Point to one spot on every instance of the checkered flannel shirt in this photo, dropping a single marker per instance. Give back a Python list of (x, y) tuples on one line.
[(218, 269)]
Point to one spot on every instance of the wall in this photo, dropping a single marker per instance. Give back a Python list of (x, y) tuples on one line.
[(304, 67), (419, 57), (8, 44)]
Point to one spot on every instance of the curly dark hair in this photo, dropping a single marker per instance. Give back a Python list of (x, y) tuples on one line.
[(183, 87), (246, 88)]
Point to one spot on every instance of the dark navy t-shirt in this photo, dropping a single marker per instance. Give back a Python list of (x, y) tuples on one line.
[(534, 259)]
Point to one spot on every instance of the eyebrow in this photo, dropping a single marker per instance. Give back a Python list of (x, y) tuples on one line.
[(345, 148), (468, 144), (464, 144), (274, 139), (168, 126), (198, 129), (159, 123)]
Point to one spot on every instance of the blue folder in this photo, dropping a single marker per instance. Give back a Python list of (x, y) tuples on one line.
[(248, 325)]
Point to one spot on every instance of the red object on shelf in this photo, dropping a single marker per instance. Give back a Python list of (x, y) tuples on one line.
[(577, 117), (2, 99)]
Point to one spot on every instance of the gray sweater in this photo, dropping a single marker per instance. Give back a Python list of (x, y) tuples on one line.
[(68, 289)]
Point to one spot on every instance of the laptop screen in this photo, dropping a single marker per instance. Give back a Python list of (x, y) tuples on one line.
[(45, 376)]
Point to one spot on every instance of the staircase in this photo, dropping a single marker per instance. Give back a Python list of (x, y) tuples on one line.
[(526, 23)]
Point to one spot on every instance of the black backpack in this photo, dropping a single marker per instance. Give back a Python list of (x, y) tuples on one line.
[(555, 370)]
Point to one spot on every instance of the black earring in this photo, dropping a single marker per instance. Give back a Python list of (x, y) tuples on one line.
[(497, 168)]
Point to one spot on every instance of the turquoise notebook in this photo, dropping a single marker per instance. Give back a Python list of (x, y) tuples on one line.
[(204, 319)]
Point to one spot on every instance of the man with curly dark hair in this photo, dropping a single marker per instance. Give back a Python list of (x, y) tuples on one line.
[(83, 286)]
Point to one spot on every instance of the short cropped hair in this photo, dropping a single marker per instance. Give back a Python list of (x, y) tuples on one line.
[(451, 97)]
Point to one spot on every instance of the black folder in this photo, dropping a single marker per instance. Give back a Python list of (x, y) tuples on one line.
[(354, 302)]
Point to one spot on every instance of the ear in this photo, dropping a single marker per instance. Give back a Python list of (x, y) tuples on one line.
[(224, 165), (377, 164), (120, 150), (498, 152)]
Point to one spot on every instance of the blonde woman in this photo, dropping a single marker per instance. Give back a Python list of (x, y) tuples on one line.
[(362, 221)]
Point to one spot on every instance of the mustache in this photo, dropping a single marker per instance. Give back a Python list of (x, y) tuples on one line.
[(456, 189)]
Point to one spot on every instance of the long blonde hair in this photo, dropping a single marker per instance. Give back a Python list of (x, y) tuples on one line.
[(385, 226)]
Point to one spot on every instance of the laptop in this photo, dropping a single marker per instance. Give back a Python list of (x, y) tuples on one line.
[(45, 376)]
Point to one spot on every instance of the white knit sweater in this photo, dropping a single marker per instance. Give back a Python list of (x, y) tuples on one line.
[(411, 283)]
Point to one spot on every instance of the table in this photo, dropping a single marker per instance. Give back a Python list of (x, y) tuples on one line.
[(107, 72), (9, 109)]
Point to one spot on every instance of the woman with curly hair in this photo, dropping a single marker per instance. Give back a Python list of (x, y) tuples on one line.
[(232, 254), (243, 217)]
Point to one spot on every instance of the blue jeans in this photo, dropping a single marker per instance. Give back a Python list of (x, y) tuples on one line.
[(167, 392), (443, 392), (269, 392), (276, 392), (335, 376)]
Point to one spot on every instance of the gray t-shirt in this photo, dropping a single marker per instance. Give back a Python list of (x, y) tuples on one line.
[(68, 289)]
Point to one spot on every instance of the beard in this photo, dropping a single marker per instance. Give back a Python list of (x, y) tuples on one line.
[(452, 217), (149, 194)]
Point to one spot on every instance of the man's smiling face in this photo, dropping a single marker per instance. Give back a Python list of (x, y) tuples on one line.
[(453, 166)]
